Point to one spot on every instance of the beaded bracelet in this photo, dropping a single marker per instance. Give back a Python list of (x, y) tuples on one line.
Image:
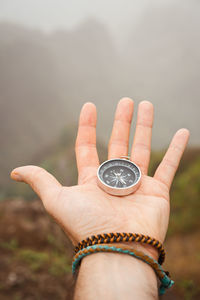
[(166, 282), (118, 237)]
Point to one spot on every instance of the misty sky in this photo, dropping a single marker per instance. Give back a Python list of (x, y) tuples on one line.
[(119, 15)]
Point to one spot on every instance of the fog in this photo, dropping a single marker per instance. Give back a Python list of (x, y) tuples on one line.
[(56, 55)]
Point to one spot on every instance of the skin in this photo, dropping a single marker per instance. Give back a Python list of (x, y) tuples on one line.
[(85, 209)]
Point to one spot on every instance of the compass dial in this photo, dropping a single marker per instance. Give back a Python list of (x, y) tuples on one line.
[(118, 174)]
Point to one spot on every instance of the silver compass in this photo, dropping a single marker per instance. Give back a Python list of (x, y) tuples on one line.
[(119, 176)]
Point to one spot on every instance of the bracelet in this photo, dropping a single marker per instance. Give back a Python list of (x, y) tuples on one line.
[(118, 237), (166, 282)]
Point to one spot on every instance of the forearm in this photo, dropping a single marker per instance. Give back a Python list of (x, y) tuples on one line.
[(115, 276)]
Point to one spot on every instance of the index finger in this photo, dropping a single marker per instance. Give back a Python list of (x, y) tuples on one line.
[(86, 152)]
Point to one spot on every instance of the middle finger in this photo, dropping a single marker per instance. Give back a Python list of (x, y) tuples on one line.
[(119, 140)]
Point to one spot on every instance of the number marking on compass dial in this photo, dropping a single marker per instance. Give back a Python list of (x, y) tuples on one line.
[(119, 173)]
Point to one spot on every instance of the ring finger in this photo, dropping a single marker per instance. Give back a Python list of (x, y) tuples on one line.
[(141, 148)]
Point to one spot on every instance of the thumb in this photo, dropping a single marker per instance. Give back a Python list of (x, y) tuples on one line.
[(43, 183)]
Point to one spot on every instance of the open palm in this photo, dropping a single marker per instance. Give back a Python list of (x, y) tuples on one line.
[(85, 209)]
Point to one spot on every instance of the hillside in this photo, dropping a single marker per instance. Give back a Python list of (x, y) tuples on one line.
[(36, 255)]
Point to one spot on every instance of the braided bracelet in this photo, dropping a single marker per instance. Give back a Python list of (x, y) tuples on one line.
[(118, 237), (166, 282)]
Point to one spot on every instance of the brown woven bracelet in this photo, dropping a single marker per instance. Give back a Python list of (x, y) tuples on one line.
[(119, 237)]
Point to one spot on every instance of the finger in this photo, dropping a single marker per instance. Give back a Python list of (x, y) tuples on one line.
[(141, 149), (86, 152), (167, 168), (43, 183), (119, 140)]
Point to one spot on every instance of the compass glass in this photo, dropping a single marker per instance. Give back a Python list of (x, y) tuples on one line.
[(119, 173)]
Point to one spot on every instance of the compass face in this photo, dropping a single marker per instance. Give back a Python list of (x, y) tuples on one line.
[(119, 173)]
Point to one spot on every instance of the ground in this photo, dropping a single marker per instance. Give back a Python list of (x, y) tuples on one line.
[(35, 257)]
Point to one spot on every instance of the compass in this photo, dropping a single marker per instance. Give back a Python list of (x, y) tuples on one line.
[(119, 176)]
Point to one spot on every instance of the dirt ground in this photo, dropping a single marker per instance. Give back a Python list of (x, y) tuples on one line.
[(35, 257)]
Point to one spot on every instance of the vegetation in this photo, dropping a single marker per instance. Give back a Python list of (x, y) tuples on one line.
[(35, 252)]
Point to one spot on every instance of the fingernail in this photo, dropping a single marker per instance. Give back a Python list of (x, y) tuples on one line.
[(16, 176)]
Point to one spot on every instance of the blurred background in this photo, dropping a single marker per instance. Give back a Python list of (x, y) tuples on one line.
[(54, 56)]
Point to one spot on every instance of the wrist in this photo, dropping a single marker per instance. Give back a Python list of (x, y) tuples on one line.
[(116, 276)]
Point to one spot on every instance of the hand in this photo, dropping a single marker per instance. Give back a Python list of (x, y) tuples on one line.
[(85, 209)]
